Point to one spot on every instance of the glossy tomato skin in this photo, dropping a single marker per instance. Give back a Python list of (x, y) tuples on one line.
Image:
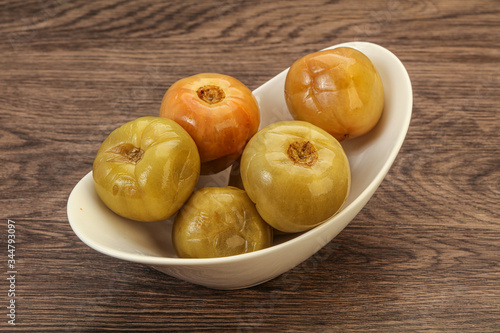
[(339, 90), (296, 174), (146, 169), (219, 222), (218, 111)]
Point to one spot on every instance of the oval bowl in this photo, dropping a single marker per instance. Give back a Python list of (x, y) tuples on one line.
[(370, 158)]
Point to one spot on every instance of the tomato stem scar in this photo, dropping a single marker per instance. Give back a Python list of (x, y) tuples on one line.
[(127, 153), (211, 94), (302, 153)]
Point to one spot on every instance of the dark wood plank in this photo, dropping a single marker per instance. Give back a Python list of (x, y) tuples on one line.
[(422, 256)]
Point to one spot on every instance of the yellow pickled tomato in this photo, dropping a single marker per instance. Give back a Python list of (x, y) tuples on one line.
[(219, 222), (338, 90), (296, 174), (146, 169)]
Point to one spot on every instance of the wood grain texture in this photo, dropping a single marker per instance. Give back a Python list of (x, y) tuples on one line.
[(422, 256)]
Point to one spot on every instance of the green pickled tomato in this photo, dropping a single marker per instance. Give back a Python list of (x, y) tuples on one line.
[(219, 222), (146, 169), (297, 175)]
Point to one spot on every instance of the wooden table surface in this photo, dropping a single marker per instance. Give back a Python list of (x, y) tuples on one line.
[(422, 256)]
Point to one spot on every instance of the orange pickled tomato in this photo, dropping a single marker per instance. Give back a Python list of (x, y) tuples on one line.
[(218, 111)]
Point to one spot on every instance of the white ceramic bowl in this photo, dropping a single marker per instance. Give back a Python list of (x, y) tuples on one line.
[(370, 158)]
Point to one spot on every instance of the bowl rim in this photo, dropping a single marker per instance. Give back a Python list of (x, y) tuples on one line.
[(346, 210)]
